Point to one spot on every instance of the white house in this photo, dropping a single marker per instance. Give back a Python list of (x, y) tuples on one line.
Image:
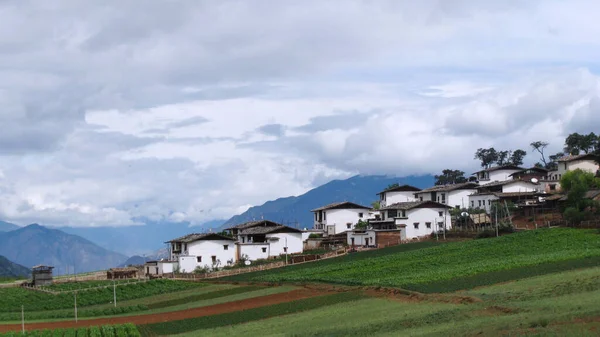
[(263, 239), (585, 162), (206, 250), (160, 267), (497, 173), (396, 194), (516, 191), (339, 217), (453, 195), (404, 220)]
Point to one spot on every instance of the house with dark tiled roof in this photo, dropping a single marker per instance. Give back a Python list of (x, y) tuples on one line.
[(339, 217), (497, 173), (264, 239), (453, 195), (205, 250), (586, 162), (402, 221), (403, 193), (516, 191)]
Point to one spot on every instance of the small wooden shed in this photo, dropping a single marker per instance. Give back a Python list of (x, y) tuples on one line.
[(42, 275), (122, 273)]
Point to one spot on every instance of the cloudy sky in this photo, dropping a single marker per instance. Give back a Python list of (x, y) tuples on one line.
[(112, 111)]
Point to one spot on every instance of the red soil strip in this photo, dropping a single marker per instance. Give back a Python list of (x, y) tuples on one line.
[(222, 308)]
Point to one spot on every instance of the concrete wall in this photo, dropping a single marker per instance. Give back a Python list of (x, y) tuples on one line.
[(360, 238), (340, 218), (205, 250), (166, 267), (482, 201), (521, 186), (459, 198), (422, 216), (502, 175), (294, 243), (187, 264), (254, 251), (395, 197)]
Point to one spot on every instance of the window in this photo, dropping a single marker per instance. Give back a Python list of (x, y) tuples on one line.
[(198, 259), (225, 247), (403, 213), (472, 203), (443, 198), (457, 206), (392, 213), (185, 246), (348, 225), (420, 198), (285, 249), (440, 213), (360, 215), (552, 187), (214, 259), (316, 216), (264, 250), (479, 203), (324, 215), (441, 224), (489, 202), (416, 224), (243, 239), (428, 224)]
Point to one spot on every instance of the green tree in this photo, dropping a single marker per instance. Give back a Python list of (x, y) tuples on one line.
[(517, 156), (576, 183), (390, 186), (450, 177), (573, 144), (361, 224), (487, 157), (376, 204)]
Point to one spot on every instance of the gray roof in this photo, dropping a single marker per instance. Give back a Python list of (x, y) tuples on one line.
[(503, 167), (201, 236), (403, 188), (266, 230), (585, 156), (340, 205), (451, 187), (505, 182), (254, 224), (415, 204), (591, 194)]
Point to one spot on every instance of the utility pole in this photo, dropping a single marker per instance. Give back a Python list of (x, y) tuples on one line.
[(286, 251), (75, 306), (22, 319), (114, 291), (508, 213), (496, 213), (437, 231)]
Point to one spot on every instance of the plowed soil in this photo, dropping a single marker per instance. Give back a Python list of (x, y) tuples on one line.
[(222, 308)]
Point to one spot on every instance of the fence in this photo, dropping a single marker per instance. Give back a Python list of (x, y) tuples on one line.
[(56, 292)]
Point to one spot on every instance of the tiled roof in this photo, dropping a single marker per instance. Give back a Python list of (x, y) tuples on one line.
[(254, 224), (340, 205), (537, 169), (585, 156), (507, 194), (200, 236), (448, 188), (414, 204), (591, 194), (403, 188), (503, 167), (266, 230), (505, 182)]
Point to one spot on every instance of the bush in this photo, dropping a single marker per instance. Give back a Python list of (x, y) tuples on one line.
[(487, 233)]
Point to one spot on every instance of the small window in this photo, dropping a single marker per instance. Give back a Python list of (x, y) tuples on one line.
[(264, 250), (324, 216), (479, 203), (428, 224), (360, 215), (185, 246), (441, 213), (285, 249), (198, 259), (416, 224), (420, 198), (472, 203), (225, 247), (403, 213), (489, 202), (348, 225), (214, 258), (316, 217)]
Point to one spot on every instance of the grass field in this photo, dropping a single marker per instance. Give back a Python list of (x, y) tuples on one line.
[(451, 266)]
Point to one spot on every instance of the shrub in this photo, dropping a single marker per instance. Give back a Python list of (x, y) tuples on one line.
[(487, 233)]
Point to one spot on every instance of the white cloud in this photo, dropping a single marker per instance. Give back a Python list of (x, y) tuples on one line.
[(191, 111)]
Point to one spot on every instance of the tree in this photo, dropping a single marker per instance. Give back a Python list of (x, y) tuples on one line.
[(503, 157), (361, 224), (517, 157), (573, 144), (540, 146), (553, 163), (576, 183), (486, 156), (588, 143), (376, 204), (390, 186), (450, 177)]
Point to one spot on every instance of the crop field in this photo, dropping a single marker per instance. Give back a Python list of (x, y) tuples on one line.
[(70, 286), (451, 266), (124, 330)]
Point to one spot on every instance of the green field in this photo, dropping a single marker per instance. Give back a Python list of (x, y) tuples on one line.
[(124, 330), (432, 269)]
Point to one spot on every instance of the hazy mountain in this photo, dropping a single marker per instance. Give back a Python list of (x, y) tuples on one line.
[(7, 226), (154, 256), (35, 244), (138, 240), (359, 189), (11, 269)]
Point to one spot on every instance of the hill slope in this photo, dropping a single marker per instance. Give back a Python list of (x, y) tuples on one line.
[(35, 244), (11, 269), (7, 226), (359, 189)]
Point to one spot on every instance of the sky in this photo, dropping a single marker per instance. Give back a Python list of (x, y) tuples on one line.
[(112, 112)]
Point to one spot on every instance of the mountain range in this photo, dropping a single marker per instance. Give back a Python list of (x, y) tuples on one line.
[(11, 269), (295, 211), (7, 226), (34, 244)]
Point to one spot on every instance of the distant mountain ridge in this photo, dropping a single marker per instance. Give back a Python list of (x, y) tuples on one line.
[(11, 269), (7, 226), (34, 244), (296, 210)]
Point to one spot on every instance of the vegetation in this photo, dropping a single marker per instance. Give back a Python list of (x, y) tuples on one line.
[(70, 286), (207, 322), (13, 298), (491, 156), (123, 330), (361, 224), (412, 268), (205, 296), (577, 144), (576, 184), (450, 177), (68, 313)]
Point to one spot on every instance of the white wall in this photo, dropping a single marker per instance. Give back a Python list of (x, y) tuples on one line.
[(482, 201), (586, 165), (422, 216), (502, 175), (206, 249), (520, 186), (166, 267), (359, 238), (187, 264), (459, 198), (341, 217), (426, 196), (294, 243), (254, 251), (398, 196)]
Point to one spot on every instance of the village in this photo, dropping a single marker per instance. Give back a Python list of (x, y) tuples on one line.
[(402, 214)]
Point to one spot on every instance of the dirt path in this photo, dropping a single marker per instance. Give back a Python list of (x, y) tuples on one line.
[(222, 308)]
